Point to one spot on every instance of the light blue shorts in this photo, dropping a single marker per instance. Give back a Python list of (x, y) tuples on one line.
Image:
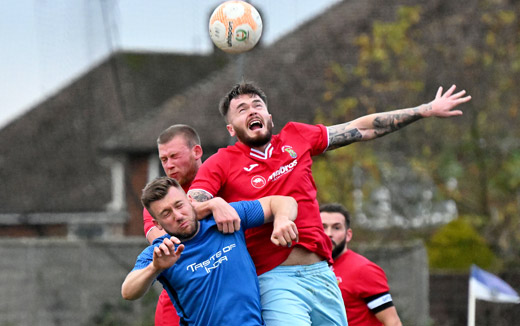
[(301, 295)]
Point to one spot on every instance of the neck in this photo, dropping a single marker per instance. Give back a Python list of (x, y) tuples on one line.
[(261, 148)]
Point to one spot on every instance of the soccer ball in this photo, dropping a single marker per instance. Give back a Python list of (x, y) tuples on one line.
[(235, 26)]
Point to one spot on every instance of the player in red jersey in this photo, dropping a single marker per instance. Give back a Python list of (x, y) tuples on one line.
[(181, 156), (363, 284), (261, 164)]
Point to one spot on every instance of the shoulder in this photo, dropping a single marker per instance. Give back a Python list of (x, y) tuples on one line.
[(159, 240), (365, 266), (222, 157), (295, 126), (244, 207)]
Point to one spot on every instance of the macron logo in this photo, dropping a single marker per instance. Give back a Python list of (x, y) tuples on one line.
[(252, 166)]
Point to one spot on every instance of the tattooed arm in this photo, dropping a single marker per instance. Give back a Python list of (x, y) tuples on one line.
[(379, 124), (226, 217)]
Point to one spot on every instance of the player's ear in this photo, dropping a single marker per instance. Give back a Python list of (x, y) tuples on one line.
[(348, 236), (157, 224), (197, 151), (231, 130)]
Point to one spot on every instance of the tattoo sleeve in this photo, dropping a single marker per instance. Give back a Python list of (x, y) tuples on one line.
[(342, 135), (373, 126), (386, 123), (199, 195)]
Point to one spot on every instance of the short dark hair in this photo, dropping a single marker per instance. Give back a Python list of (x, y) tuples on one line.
[(191, 136), (240, 89), (337, 208), (157, 190)]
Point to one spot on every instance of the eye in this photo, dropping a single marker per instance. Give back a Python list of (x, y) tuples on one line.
[(165, 214)]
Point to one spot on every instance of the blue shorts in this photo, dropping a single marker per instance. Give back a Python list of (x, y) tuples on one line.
[(301, 295)]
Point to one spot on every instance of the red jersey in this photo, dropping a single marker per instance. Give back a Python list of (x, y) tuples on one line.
[(239, 172), (364, 288)]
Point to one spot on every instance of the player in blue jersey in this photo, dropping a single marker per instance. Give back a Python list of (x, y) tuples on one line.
[(208, 275)]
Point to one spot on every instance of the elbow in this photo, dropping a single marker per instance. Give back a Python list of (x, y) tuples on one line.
[(127, 294)]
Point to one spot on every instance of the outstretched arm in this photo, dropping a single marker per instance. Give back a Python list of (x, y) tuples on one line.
[(139, 281), (379, 124), (282, 211), (225, 216)]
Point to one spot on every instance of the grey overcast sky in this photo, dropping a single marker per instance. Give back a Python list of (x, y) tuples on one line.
[(47, 44)]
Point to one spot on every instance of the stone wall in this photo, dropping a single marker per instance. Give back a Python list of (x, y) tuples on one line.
[(60, 282), (406, 268), (78, 282)]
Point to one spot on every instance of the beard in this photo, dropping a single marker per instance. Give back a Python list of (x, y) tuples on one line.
[(187, 178), (257, 141), (187, 235), (338, 249)]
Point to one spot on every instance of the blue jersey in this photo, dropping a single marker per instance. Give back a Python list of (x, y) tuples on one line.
[(214, 281)]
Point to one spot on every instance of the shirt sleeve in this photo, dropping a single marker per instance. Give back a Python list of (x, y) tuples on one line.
[(251, 213), (317, 136), (372, 287), (147, 221), (144, 259)]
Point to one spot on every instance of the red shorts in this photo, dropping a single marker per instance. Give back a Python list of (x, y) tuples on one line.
[(165, 314)]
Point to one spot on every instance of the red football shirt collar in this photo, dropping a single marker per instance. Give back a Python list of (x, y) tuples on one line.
[(267, 153)]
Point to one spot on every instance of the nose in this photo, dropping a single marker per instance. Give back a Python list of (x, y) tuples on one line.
[(169, 164), (177, 215), (327, 231)]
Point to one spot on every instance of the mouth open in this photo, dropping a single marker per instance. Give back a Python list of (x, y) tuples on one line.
[(255, 125)]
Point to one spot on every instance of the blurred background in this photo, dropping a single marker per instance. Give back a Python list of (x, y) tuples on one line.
[(86, 86)]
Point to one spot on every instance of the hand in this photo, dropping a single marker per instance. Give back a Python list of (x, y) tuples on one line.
[(225, 216), (443, 104), (284, 233), (165, 255)]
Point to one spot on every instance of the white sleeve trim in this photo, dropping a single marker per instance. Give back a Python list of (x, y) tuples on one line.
[(379, 301), (147, 233), (328, 140)]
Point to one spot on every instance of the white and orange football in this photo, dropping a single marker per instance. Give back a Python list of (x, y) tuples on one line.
[(235, 26)]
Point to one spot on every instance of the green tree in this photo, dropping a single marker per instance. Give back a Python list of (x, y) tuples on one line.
[(457, 245), (473, 160)]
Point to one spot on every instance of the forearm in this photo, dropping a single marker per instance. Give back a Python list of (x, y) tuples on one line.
[(278, 208), (208, 207), (284, 207), (138, 282), (374, 125)]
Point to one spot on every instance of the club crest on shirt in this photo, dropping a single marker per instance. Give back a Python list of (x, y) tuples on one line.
[(288, 149), (339, 280), (258, 181)]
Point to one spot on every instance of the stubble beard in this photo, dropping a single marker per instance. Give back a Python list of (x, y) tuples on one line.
[(183, 236), (257, 141), (186, 179)]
